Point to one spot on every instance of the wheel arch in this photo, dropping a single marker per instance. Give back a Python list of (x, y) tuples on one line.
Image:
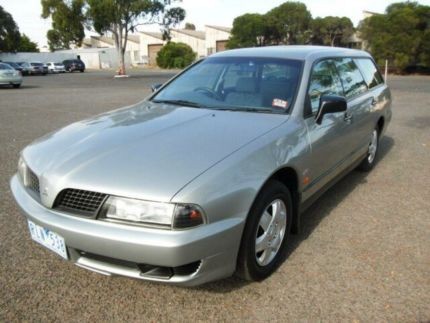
[(288, 176)]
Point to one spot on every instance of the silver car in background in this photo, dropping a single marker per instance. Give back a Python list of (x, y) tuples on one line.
[(56, 67), (209, 175), (10, 76)]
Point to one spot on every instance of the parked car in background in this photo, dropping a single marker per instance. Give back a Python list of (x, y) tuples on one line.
[(37, 68), (209, 175), (16, 66), (26, 68), (56, 67), (72, 65), (10, 76)]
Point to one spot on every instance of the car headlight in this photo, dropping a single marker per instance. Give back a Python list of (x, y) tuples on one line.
[(169, 215)]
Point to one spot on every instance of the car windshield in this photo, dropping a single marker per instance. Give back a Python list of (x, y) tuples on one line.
[(36, 64), (58, 64), (236, 83), (5, 67)]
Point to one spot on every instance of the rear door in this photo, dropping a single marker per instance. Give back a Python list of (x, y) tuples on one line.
[(360, 103)]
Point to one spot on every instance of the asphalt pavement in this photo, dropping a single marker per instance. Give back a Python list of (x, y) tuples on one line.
[(363, 255)]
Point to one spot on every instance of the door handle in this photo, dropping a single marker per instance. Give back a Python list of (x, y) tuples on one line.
[(347, 117)]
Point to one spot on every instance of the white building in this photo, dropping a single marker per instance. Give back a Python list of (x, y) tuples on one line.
[(150, 45), (133, 45), (142, 48), (194, 38), (213, 39), (216, 38)]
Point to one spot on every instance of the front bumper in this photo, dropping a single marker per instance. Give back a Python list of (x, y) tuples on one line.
[(119, 246)]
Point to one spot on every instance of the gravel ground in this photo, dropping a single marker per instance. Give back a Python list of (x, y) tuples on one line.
[(363, 255)]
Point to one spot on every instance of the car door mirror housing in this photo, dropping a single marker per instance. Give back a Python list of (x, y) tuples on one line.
[(155, 87), (330, 104)]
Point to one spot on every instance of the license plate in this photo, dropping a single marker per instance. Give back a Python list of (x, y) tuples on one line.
[(48, 239)]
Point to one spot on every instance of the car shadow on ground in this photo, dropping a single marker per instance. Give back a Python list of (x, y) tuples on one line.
[(312, 216), (7, 87)]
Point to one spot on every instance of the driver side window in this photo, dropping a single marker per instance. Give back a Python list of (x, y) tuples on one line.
[(324, 81)]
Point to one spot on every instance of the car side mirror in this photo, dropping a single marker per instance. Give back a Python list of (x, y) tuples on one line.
[(330, 104), (155, 87)]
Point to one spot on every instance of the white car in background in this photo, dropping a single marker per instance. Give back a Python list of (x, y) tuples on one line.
[(56, 67), (10, 76)]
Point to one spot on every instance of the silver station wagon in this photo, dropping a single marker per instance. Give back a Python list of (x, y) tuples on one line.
[(209, 175)]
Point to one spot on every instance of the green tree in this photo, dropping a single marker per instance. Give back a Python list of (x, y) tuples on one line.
[(9, 32), (68, 21), (175, 55), (401, 35), (190, 26), (288, 23), (331, 31), (26, 45), (248, 31)]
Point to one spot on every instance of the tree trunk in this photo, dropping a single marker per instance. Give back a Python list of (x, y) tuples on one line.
[(121, 51)]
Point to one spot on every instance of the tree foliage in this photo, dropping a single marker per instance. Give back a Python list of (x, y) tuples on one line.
[(288, 23), (67, 22), (401, 35), (175, 55), (9, 32), (331, 31), (190, 26), (248, 31), (26, 45), (11, 39)]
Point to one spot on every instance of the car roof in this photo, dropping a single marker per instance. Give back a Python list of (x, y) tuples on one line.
[(305, 52)]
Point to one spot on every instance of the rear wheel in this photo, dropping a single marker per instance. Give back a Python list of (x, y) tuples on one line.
[(264, 240), (369, 161), (82, 71), (16, 85)]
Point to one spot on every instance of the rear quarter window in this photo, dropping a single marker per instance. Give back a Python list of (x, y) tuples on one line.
[(370, 72), (352, 80)]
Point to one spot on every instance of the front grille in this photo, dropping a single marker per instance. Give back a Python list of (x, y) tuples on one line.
[(80, 202), (32, 181)]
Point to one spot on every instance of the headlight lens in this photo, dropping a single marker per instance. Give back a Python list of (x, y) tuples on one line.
[(152, 213)]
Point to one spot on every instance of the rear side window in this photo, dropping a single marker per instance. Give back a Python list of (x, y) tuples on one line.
[(370, 72), (352, 80), (324, 81)]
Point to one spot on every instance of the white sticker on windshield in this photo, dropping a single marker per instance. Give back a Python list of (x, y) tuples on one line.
[(280, 103)]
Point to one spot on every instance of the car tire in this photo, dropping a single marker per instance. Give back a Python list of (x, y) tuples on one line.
[(16, 86), (82, 71), (268, 225), (369, 161)]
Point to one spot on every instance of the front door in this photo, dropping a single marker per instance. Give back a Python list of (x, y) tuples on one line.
[(328, 140)]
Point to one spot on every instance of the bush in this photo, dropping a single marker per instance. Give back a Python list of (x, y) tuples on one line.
[(175, 55)]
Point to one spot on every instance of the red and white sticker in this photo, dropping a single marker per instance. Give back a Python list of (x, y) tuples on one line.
[(279, 103)]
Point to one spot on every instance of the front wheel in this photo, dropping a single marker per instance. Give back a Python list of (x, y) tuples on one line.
[(16, 85), (369, 161), (264, 240)]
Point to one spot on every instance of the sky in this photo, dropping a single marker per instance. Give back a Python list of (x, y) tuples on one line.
[(26, 13)]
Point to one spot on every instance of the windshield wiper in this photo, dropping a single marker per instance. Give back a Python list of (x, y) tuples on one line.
[(247, 109), (180, 102)]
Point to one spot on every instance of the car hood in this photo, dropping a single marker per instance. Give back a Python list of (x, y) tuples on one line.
[(148, 151)]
